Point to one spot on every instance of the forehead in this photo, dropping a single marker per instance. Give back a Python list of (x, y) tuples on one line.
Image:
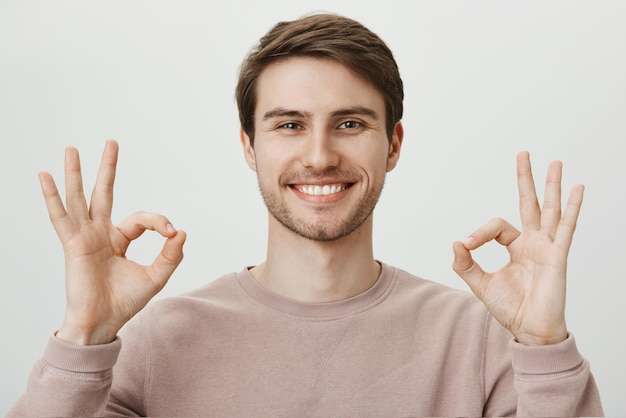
[(314, 85)]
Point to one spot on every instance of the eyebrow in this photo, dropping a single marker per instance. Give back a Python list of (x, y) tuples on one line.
[(281, 112), (357, 110)]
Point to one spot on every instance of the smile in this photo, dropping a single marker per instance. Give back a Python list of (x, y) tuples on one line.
[(318, 190)]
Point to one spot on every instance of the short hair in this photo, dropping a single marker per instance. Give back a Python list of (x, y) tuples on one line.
[(328, 36)]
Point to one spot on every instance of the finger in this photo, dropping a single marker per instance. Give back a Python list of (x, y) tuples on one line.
[(528, 204), (551, 211), (567, 226), (136, 224), (102, 195), (74, 195), (496, 229), (56, 211), (170, 257), (470, 271)]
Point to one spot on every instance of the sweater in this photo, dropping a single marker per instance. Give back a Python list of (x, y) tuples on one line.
[(405, 347)]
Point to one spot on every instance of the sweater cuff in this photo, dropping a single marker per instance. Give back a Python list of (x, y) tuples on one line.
[(81, 359), (547, 359)]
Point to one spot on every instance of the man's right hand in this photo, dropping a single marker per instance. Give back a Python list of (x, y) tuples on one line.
[(104, 289)]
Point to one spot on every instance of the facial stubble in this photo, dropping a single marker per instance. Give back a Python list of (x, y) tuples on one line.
[(321, 231)]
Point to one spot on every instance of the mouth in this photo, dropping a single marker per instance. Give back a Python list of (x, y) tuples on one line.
[(321, 189), (321, 192)]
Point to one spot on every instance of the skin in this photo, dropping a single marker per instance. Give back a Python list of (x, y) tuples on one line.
[(527, 295), (317, 124), (103, 288)]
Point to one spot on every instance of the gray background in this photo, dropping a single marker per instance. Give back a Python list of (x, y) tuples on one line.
[(484, 80)]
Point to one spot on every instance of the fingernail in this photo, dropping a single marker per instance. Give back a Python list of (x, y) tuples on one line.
[(468, 241), (170, 228)]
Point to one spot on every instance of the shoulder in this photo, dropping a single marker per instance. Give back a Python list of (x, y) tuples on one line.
[(434, 299), (420, 287), (219, 293), (204, 305)]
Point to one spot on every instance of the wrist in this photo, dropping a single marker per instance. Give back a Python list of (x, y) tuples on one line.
[(533, 340), (84, 337)]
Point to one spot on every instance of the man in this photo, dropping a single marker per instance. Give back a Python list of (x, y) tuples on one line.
[(321, 328)]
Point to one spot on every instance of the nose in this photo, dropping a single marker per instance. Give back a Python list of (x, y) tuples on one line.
[(320, 151)]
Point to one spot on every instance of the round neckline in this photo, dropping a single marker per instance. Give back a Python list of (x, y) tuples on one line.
[(319, 310)]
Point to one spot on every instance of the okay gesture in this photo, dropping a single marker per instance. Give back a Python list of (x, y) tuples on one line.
[(527, 295), (104, 289)]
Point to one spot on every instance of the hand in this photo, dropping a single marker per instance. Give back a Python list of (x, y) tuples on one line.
[(527, 295), (104, 289)]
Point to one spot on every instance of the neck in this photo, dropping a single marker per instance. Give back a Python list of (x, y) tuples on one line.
[(316, 271)]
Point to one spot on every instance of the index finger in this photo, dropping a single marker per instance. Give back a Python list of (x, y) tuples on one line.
[(496, 229), (101, 203)]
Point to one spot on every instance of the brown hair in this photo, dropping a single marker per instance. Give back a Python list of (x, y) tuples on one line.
[(325, 36)]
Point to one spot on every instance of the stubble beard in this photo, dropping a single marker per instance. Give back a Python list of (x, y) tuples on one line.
[(321, 231)]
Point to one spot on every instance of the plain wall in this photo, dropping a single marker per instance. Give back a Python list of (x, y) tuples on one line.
[(483, 79)]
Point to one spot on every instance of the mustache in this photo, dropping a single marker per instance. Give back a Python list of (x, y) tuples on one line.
[(310, 175)]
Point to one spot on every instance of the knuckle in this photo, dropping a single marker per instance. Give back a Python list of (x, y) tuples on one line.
[(498, 220)]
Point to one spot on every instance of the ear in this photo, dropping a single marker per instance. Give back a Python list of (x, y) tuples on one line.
[(248, 149), (395, 146)]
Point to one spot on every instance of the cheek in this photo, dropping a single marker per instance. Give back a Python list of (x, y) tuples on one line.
[(375, 160), (272, 151), (270, 166)]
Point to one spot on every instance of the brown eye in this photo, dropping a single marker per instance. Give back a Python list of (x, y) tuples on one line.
[(350, 124), (290, 125)]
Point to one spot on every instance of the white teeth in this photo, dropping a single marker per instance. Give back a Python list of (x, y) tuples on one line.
[(321, 190)]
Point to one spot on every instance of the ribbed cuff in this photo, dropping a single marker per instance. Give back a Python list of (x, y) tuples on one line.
[(547, 359), (81, 359)]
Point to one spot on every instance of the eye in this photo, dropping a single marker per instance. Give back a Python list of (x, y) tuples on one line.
[(350, 124), (290, 125)]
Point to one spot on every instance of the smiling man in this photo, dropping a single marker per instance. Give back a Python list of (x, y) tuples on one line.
[(321, 328), (321, 152)]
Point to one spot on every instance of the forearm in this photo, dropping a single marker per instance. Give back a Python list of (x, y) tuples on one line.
[(69, 381), (554, 381)]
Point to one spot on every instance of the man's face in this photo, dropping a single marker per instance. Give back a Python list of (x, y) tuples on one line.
[(321, 151)]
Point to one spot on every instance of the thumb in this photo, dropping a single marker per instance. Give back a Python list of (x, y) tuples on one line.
[(168, 259), (468, 269)]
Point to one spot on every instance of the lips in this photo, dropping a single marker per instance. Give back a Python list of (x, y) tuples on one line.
[(320, 190), (328, 186)]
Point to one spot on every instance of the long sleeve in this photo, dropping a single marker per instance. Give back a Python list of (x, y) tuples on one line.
[(554, 381), (405, 347), (69, 381)]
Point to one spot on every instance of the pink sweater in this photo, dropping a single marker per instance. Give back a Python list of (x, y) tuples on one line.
[(405, 347)]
